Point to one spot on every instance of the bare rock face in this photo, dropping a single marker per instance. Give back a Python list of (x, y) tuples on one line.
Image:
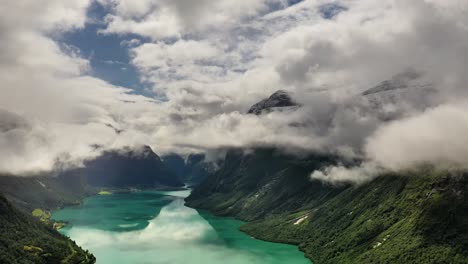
[(280, 99)]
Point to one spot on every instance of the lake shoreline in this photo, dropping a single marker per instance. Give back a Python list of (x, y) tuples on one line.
[(251, 234)]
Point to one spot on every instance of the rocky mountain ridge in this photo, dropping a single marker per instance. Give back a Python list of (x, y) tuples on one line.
[(279, 100)]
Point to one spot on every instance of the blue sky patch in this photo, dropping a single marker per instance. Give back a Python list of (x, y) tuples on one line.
[(293, 2), (107, 54), (329, 11)]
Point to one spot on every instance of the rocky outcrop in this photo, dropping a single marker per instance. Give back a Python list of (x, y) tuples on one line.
[(278, 100)]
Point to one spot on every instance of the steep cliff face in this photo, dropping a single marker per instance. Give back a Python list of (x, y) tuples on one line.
[(26, 240)]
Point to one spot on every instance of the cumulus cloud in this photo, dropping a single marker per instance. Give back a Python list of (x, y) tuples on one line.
[(181, 60), (53, 113), (210, 61)]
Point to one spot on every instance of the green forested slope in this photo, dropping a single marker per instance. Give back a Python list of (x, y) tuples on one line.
[(26, 240), (418, 216), (262, 183), (394, 219)]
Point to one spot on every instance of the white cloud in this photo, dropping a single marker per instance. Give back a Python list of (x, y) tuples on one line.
[(212, 60), (64, 110), (130, 43), (354, 175), (175, 18), (436, 136)]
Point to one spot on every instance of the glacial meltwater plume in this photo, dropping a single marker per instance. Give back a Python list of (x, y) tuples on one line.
[(155, 227)]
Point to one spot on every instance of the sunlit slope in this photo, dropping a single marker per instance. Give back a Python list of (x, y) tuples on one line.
[(420, 218)]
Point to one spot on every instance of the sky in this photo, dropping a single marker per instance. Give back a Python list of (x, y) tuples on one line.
[(81, 77), (107, 54)]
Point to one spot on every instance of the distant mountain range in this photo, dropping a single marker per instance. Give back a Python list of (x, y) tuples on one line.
[(192, 170), (126, 168)]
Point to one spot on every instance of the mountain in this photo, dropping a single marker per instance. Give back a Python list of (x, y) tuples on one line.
[(25, 240), (404, 93), (128, 168), (119, 169), (263, 182), (114, 169), (191, 170), (413, 216), (278, 100), (416, 216)]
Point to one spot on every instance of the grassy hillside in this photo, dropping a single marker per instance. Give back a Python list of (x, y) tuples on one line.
[(417, 216), (25, 240)]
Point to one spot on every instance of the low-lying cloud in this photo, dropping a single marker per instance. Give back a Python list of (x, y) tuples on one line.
[(435, 136)]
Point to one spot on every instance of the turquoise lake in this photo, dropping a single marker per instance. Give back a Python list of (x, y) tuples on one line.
[(156, 228)]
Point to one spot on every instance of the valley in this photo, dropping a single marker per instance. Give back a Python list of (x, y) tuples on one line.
[(233, 132)]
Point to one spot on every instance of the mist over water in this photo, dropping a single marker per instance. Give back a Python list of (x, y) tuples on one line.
[(156, 227)]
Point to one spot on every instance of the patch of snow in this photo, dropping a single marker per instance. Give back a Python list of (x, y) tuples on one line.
[(42, 184), (377, 245), (300, 220)]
